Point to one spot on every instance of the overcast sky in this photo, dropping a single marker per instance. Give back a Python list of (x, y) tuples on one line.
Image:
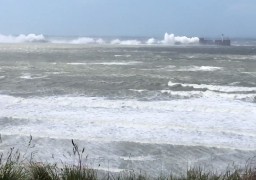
[(234, 18)]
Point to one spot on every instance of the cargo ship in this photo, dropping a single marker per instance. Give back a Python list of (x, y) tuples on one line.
[(220, 42)]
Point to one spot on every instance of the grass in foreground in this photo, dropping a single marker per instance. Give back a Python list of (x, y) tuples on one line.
[(13, 168)]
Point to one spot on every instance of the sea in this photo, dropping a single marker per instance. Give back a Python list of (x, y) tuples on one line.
[(148, 108)]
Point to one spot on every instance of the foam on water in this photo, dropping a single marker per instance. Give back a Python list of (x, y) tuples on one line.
[(206, 94), (138, 158), (29, 76), (77, 63), (22, 38), (192, 68), (226, 89), (119, 55), (180, 122), (119, 63), (208, 102), (204, 68), (196, 68), (168, 39)]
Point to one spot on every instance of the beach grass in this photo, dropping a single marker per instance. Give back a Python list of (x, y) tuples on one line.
[(13, 167)]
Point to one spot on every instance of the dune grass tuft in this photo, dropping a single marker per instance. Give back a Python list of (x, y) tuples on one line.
[(12, 167), (40, 171)]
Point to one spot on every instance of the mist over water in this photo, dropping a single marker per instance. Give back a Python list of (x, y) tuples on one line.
[(148, 107)]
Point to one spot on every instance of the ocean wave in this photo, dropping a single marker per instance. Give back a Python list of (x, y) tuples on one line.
[(22, 38), (117, 63), (30, 76), (203, 68), (191, 68), (168, 39), (172, 39), (77, 64), (218, 88), (209, 94), (183, 94), (121, 55), (185, 122), (125, 42), (194, 68)]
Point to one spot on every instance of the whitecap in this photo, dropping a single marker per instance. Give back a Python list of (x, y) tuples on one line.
[(199, 68), (227, 89), (22, 38), (29, 76), (119, 63), (125, 55), (138, 158), (77, 64), (183, 122), (138, 90)]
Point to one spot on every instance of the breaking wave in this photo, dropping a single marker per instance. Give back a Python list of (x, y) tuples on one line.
[(168, 39), (172, 39), (193, 68), (218, 88), (132, 120), (106, 63), (125, 42), (22, 38)]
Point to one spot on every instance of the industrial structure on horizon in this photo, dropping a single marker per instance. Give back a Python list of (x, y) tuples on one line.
[(221, 42)]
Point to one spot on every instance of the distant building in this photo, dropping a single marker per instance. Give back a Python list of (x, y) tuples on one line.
[(220, 42)]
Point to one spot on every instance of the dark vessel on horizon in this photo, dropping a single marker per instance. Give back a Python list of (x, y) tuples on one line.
[(220, 42)]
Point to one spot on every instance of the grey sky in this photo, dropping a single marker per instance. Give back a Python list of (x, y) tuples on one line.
[(235, 18)]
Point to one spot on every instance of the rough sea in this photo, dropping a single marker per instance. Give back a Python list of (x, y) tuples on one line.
[(152, 108)]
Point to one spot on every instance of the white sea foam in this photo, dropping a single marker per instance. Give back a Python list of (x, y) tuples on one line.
[(172, 39), (208, 94), (79, 40), (169, 39), (184, 94), (151, 41), (185, 122), (119, 63), (204, 68), (22, 38), (77, 63), (87, 40), (83, 40), (138, 90), (240, 57), (29, 76), (125, 42), (138, 158), (227, 89), (120, 55), (192, 68), (197, 68)]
